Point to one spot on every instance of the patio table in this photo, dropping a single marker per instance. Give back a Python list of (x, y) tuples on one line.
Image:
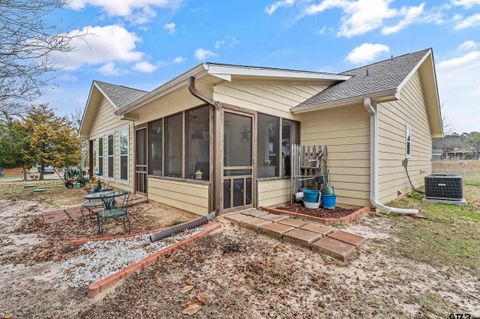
[(93, 202)]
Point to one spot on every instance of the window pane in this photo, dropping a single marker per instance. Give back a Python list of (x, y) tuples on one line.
[(289, 137), (100, 156), (110, 145), (173, 145), (140, 142), (100, 146), (268, 146), (238, 192), (110, 166), (227, 193), (124, 167), (124, 141), (237, 140), (155, 155), (197, 143)]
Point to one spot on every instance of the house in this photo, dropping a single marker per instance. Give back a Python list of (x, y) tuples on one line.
[(218, 136)]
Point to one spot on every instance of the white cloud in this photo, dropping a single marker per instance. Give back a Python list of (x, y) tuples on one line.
[(202, 54), (473, 56), (109, 68), (279, 4), (458, 80), (122, 8), (366, 52), (179, 59), (466, 3), (227, 42), (468, 45), (410, 15), (68, 77), (144, 66), (99, 45), (171, 28), (468, 22), (142, 16)]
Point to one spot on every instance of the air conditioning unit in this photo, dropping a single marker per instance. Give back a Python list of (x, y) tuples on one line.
[(444, 188)]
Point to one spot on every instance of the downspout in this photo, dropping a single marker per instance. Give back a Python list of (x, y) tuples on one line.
[(372, 110), (217, 140)]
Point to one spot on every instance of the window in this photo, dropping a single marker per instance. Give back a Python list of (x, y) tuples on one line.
[(94, 156), (124, 153), (100, 156), (174, 145), (408, 140), (110, 155), (155, 133), (290, 136), (197, 143), (268, 146)]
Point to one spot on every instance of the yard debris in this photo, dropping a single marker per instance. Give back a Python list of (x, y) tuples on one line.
[(192, 307), (186, 289)]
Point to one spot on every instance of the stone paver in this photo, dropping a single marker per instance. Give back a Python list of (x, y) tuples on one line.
[(254, 213), (334, 248), (275, 230), (253, 222), (293, 222), (301, 236), (274, 218), (317, 228), (237, 217), (349, 238)]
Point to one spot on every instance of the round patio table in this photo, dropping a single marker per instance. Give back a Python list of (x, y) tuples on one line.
[(98, 195)]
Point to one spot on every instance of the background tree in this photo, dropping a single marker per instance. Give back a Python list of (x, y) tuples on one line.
[(26, 42), (52, 139), (76, 118), (13, 141), (473, 139)]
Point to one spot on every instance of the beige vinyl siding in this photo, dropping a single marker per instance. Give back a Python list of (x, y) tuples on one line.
[(392, 119), (191, 197), (269, 97), (345, 130), (273, 192), (107, 123)]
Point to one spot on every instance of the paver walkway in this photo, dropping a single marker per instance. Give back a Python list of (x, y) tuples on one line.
[(328, 240), (58, 215)]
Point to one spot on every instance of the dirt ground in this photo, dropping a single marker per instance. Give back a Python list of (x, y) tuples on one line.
[(235, 272)]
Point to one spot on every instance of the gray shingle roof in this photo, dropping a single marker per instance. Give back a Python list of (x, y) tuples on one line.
[(382, 76), (120, 95)]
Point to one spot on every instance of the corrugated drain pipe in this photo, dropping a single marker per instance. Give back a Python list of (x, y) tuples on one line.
[(179, 228), (372, 110)]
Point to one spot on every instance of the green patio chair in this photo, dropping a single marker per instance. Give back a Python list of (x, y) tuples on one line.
[(90, 208), (115, 207)]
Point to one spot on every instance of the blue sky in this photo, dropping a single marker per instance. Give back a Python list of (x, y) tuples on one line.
[(143, 43)]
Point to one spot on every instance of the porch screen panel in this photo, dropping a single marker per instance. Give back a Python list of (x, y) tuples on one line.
[(268, 146), (124, 136), (237, 140), (155, 134), (197, 143), (110, 155), (173, 145), (290, 135)]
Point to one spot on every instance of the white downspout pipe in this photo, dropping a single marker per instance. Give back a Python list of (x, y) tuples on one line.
[(372, 110)]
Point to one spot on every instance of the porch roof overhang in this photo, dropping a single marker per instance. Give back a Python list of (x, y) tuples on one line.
[(228, 72)]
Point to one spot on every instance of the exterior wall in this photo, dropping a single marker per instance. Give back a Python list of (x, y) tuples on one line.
[(189, 196), (104, 124), (269, 97), (346, 132), (273, 192), (392, 119)]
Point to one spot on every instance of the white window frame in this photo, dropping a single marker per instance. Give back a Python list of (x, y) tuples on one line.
[(408, 140), (101, 158), (112, 156), (127, 129)]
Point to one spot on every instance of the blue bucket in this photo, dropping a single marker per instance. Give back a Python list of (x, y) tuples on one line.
[(310, 196), (329, 201)]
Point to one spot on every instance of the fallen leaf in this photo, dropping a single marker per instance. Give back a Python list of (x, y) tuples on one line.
[(186, 289), (191, 309), (188, 282), (201, 297)]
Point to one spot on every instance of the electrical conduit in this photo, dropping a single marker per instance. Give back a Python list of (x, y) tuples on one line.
[(372, 110)]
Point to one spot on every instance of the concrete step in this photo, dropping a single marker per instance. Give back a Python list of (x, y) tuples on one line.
[(334, 248), (348, 238)]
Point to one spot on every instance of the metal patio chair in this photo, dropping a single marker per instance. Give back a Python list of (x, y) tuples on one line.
[(115, 207)]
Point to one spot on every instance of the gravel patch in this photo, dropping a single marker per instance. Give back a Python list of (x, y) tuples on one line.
[(99, 259)]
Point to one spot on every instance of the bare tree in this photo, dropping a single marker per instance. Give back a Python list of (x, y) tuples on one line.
[(26, 41), (448, 127)]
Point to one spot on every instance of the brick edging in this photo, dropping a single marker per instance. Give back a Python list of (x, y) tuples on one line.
[(359, 213), (79, 242), (102, 284)]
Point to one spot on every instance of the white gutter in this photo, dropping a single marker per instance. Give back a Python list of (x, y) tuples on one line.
[(372, 110)]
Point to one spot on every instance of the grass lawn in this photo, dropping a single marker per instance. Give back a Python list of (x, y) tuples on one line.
[(448, 237)]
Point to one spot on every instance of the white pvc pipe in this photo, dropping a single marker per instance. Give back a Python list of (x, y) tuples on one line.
[(367, 103)]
